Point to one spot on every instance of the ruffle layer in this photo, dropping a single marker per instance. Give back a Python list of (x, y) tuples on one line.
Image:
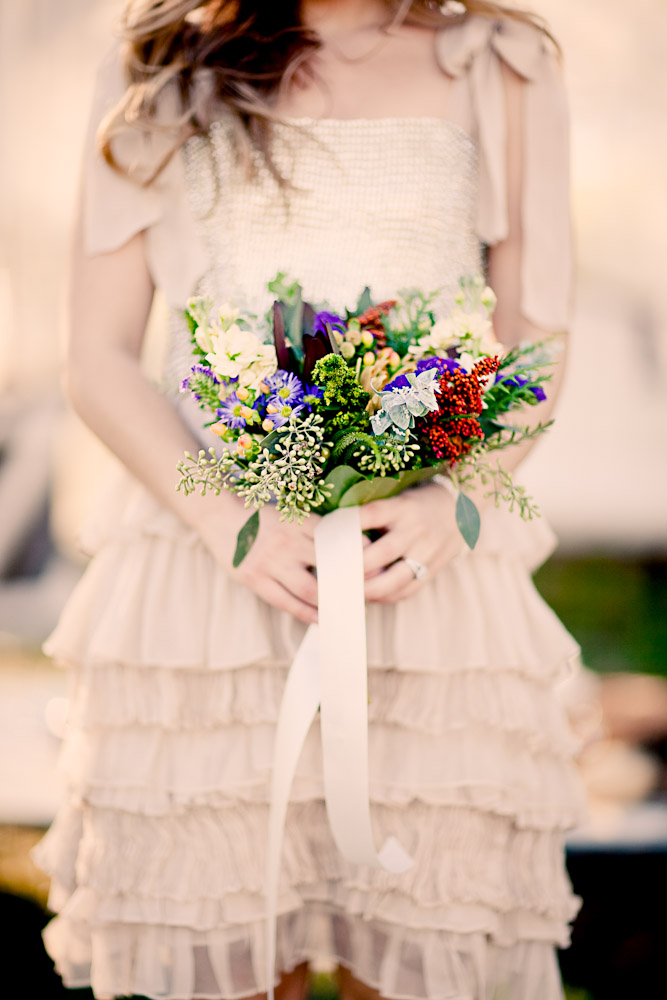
[(204, 869), (111, 696), (175, 962), (156, 771)]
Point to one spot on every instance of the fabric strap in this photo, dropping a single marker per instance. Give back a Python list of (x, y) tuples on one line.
[(329, 670)]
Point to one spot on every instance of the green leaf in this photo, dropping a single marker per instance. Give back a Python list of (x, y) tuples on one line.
[(467, 519), (377, 488), (383, 487), (270, 441), (245, 539), (365, 301), (340, 478), (191, 321)]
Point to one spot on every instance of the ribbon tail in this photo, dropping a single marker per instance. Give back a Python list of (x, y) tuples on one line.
[(344, 688), (297, 710)]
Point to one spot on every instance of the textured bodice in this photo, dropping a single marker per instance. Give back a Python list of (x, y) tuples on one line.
[(388, 203)]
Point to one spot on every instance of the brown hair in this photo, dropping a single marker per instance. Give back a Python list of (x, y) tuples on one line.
[(235, 54)]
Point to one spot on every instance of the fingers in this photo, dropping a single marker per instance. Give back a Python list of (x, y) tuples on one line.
[(275, 594), (384, 587), (379, 513), (293, 541), (386, 550), (299, 582)]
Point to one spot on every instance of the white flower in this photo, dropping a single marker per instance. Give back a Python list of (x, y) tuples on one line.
[(200, 308), (265, 365), (441, 336), (238, 353), (488, 299), (204, 337), (470, 324), (228, 314), (467, 360)]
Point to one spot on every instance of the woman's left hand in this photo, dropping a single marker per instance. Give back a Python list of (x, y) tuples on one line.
[(419, 524)]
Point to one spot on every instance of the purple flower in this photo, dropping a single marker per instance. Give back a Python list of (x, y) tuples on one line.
[(283, 414), (277, 380), (400, 382), (424, 364), (334, 321), (286, 391), (442, 364), (519, 381), (229, 412), (200, 376)]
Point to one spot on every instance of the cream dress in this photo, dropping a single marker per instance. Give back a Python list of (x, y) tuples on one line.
[(157, 857)]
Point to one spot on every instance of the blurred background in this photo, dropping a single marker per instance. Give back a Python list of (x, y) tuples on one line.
[(600, 475)]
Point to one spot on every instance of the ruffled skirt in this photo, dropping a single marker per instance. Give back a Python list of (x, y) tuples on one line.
[(157, 857)]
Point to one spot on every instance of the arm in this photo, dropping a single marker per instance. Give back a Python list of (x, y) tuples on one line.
[(510, 326), (110, 299), (420, 523)]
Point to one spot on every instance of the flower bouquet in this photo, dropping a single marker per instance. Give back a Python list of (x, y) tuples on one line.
[(317, 410)]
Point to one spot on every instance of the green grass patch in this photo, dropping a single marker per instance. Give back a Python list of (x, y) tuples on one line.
[(615, 608)]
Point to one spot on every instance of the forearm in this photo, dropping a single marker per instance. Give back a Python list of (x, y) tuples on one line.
[(142, 428)]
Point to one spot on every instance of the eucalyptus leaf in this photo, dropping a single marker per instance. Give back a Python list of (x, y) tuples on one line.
[(467, 520), (245, 539)]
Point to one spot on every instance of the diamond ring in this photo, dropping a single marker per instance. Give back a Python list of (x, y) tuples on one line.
[(419, 571)]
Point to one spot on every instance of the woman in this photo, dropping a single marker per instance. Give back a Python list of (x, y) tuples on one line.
[(346, 142)]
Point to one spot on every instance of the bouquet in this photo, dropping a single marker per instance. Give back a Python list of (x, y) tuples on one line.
[(317, 410)]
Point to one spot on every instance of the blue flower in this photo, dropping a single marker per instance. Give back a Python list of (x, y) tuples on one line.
[(400, 382), (287, 391), (332, 319), (441, 364), (424, 365), (229, 412), (311, 394), (283, 414), (521, 380), (277, 380)]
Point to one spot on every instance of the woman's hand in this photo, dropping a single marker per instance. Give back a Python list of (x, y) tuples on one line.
[(419, 524), (277, 567)]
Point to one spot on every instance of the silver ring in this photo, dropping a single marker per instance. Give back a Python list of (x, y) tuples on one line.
[(419, 571)]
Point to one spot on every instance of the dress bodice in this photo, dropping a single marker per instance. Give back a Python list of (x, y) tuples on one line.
[(388, 203)]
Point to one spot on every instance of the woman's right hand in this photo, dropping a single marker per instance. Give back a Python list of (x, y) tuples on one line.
[(278, 566)]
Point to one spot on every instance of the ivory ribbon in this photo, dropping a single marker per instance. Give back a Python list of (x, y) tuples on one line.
[(329, 670)]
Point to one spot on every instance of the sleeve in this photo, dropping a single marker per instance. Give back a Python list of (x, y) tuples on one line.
[(476, 48), (116, 207)]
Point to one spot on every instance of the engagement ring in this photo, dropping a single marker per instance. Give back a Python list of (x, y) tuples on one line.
[(419, 571)]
